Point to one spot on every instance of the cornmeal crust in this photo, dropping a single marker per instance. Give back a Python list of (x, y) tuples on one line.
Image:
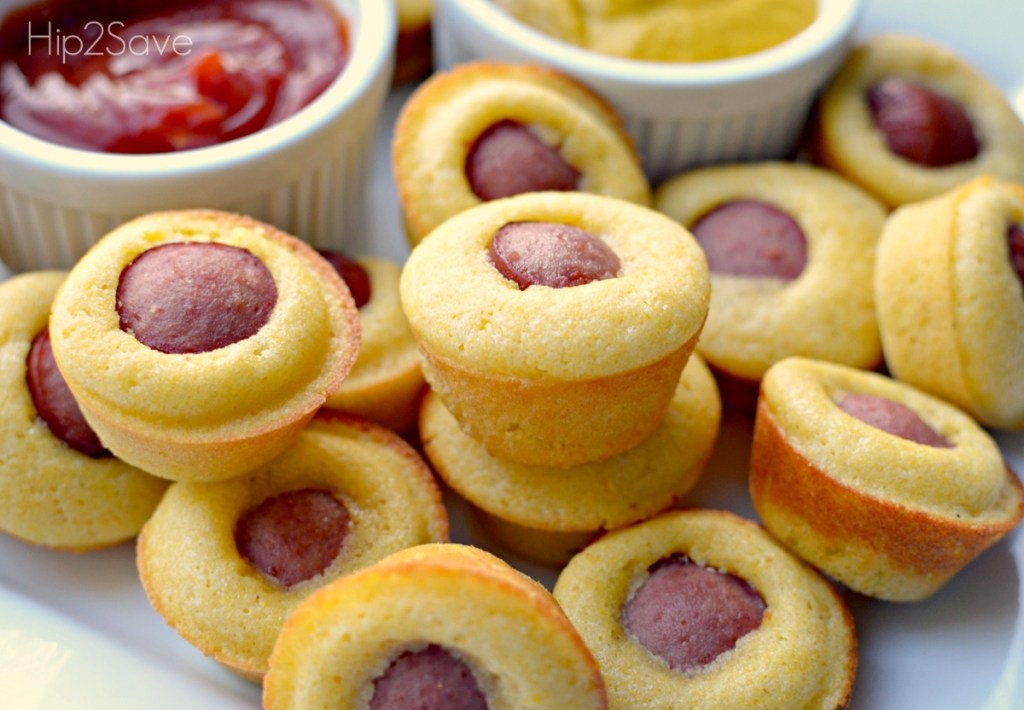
[(211, 415), (546, 513), (950, 305), (50, 494), (828, 311), (216, 600), (386, 382), (848, 141), (442, 119), (803, 654), (505, 626), (557, 377), (887, 517)]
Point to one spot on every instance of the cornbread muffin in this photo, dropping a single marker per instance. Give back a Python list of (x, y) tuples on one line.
[(386, 382), (883, 487), (58, 487), (226, 563), (566, 374), (450, 625), (549, 514), (484, 129), (199, 343), (743, 623), (670, 30), (791, 249), (950, 299), (908, 119), (413, 45)]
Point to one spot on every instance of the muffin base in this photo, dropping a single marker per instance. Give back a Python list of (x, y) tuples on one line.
[(876, 547), (558, 424)]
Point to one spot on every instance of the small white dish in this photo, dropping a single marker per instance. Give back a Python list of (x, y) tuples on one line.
[(307, 174)]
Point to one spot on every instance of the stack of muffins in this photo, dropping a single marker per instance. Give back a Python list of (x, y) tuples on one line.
[(574, 357), (557, 332), (571, 404), (201, 348)]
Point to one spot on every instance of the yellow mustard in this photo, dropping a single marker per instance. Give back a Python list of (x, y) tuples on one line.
[(668, 30)]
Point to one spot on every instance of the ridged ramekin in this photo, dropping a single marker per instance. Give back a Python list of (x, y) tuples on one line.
[(680, 114), (307, 175)]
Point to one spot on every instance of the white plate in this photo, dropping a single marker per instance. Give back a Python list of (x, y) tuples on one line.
[(77, 632)]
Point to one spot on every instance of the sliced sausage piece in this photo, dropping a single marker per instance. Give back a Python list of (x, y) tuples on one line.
[(293, 536), (551, 254), (892, 417), (922, 125), (753, 239), (689, 615), (54, 402), (430, 679), (193, 297), (1015, 241), (509, 159), (353, 274)]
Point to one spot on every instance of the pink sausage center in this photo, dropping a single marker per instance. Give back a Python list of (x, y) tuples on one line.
[(293, 536), (551, 254), (509, 159), (922, 125), (54, 402), (430, 679), (189, 297), (1015, 242), (893, 418), (689, 615), (353, 274), (753, 239)]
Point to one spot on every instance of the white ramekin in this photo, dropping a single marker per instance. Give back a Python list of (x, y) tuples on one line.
[(680, 114), (308, 174)]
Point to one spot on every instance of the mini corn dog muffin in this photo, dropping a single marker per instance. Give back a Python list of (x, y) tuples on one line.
[(386, 381), (555, 326), (881, 486), (549, 514), (445, 625), (485, 130), (950, 292), (225, 563), (59, 487), (791, 249), (908, 119), (704, 609), (199, 343)]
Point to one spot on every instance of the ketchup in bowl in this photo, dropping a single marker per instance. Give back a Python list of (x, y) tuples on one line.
[(128, 77)]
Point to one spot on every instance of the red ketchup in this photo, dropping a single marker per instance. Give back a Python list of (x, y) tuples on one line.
[(128, 77)]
